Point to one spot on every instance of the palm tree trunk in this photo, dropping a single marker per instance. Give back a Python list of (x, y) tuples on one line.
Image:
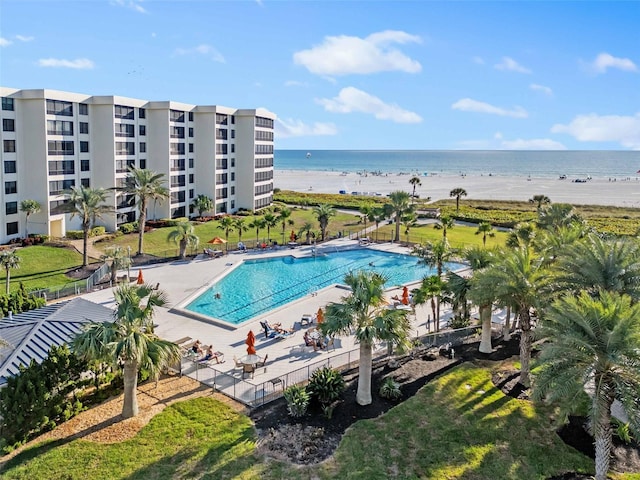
[(397, 238), (142, 218), (363, 396), (113, 271), (183, 248), (485, 319), (85, 244), (437, 317), (433, 310), (602, 433), (506, 329), (525, 346), (8, 280), (130, 377)]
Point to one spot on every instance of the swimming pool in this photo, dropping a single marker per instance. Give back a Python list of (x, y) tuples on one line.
[(257, 286)]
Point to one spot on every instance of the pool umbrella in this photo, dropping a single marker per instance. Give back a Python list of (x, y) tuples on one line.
[(217, 241), (320, 316), (140, 280), (405, 296), (251, 341)]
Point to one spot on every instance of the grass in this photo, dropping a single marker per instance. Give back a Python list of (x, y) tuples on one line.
[(459, 237), (42, 267), (458, 426)]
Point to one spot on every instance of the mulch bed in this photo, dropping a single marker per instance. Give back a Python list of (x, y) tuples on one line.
[(80, 273)]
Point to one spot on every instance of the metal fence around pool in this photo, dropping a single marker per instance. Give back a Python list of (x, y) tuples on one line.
[(254, 394)]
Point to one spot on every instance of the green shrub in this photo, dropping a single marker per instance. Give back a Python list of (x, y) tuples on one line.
[(128, 227), (297, 400), (75, 234), (459, 321), (390, 389), (95, 231), (326, 385), (622, 431)]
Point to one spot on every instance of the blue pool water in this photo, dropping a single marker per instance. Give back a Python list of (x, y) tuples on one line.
[(257, 286)]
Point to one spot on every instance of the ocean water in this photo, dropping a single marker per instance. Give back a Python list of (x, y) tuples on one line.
[(582, 163)]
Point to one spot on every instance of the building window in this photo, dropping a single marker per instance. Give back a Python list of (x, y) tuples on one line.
[(9, 166), (57, 107), (233, 190), (9, 146), (84, 182), (125, 148), (191, 116), (143, 129), (83, 109), (233, 162), (191, 163), (221, 148), (58, 187), (84, 147), (178, 197), (233, 134), (143, 147), (59, 127), (233, 148), (177, 181), (176, 116), (84, 165), (176, 132), (190, 132), (191, 148), (233, 204), (191, 194), (143, 163), (7, 104), (221, 133), (63, 167), (264, 150), (191, 178), (264, 122), (60, 147), (176, 164), (233, 119), (221, 163), (142, 113), (84, 127), (124, 112), (8, 125), (122, 166), (11, 208), (12, 227), (221, 119), (176, 148), (125, 130), (10, 187), (233, 176)]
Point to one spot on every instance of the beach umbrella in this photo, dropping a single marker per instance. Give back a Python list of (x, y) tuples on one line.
[(405, 296), (140, 280), (217, 241), (251, 341), (320, 316)]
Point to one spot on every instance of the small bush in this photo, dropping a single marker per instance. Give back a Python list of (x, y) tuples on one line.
[(390, 389), (27, 242), (95, 231), (326, 385), (297, 400), (622, 431), (128, 227), (458, 321), (75, 234)]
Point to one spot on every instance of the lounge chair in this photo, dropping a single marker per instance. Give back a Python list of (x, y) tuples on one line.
[(268, 332), (238, 363), (248, 369)]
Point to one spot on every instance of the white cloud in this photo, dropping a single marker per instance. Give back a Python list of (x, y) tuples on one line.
[(132, 4), (5, 42), (295, 83), (541, 88), (202, 49), (510, 64), (296, 128), (351, 99), (344, 55), (470, 105), (24, 38), (604, 128), (78, 63), (532, 144), (604, 61)]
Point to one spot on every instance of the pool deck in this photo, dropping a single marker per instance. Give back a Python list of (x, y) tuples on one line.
[(182, 279)]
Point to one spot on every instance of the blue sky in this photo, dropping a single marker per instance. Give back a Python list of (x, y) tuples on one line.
[(353, 74)]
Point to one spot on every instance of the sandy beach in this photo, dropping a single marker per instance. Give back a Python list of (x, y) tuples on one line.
[(621, 192)]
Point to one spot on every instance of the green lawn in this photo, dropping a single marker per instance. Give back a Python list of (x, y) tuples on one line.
[(458, 236), (458, 426), (42, 267)]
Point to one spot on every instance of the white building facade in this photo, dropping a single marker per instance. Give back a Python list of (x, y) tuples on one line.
[(54, 140)]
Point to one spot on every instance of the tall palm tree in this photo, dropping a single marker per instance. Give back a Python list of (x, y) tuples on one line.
[(557, 215), (323, 214), (118, 257), (593, 342), (539, 201), (365, 311), (88, 204), (270, 221), (29, 207), (486, 230), (434, 254), (458, 192), (306, 230), (226, 224), (129, 340), (144, 185), (408, 222), (366, 210), (9, 259), (482, 291), (284, 216), (184, 236), (258, 223), (398, 207), (552, 244), (377, 215), (444, 223), (240, 226), (203, 204), (415, 182), (521, 236), (430, 289)]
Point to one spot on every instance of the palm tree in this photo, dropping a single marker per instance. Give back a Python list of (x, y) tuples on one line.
[(445, 222), (203, 204), (283, 216), (129, 340), (458, 192), (9, 259), (376, 216), (399, 206), (118, 257), (592, 342), (239, 224), (415, 182), (482, 291), (258, 223), (430, 289), (486, 230), (323, 214), (539, 201), (29, 207), (408, 222), (522, 235), (184, 235), (226, 224), (88, 204), (458, 287), (270, 221), (435, 255), (557, 215), (144, 185), (366, 210), (365, 311), (306, 230)]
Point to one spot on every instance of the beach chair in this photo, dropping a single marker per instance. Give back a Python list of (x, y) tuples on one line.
[(268, 332)]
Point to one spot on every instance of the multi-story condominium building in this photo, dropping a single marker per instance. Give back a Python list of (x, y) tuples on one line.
[(54, 140)]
